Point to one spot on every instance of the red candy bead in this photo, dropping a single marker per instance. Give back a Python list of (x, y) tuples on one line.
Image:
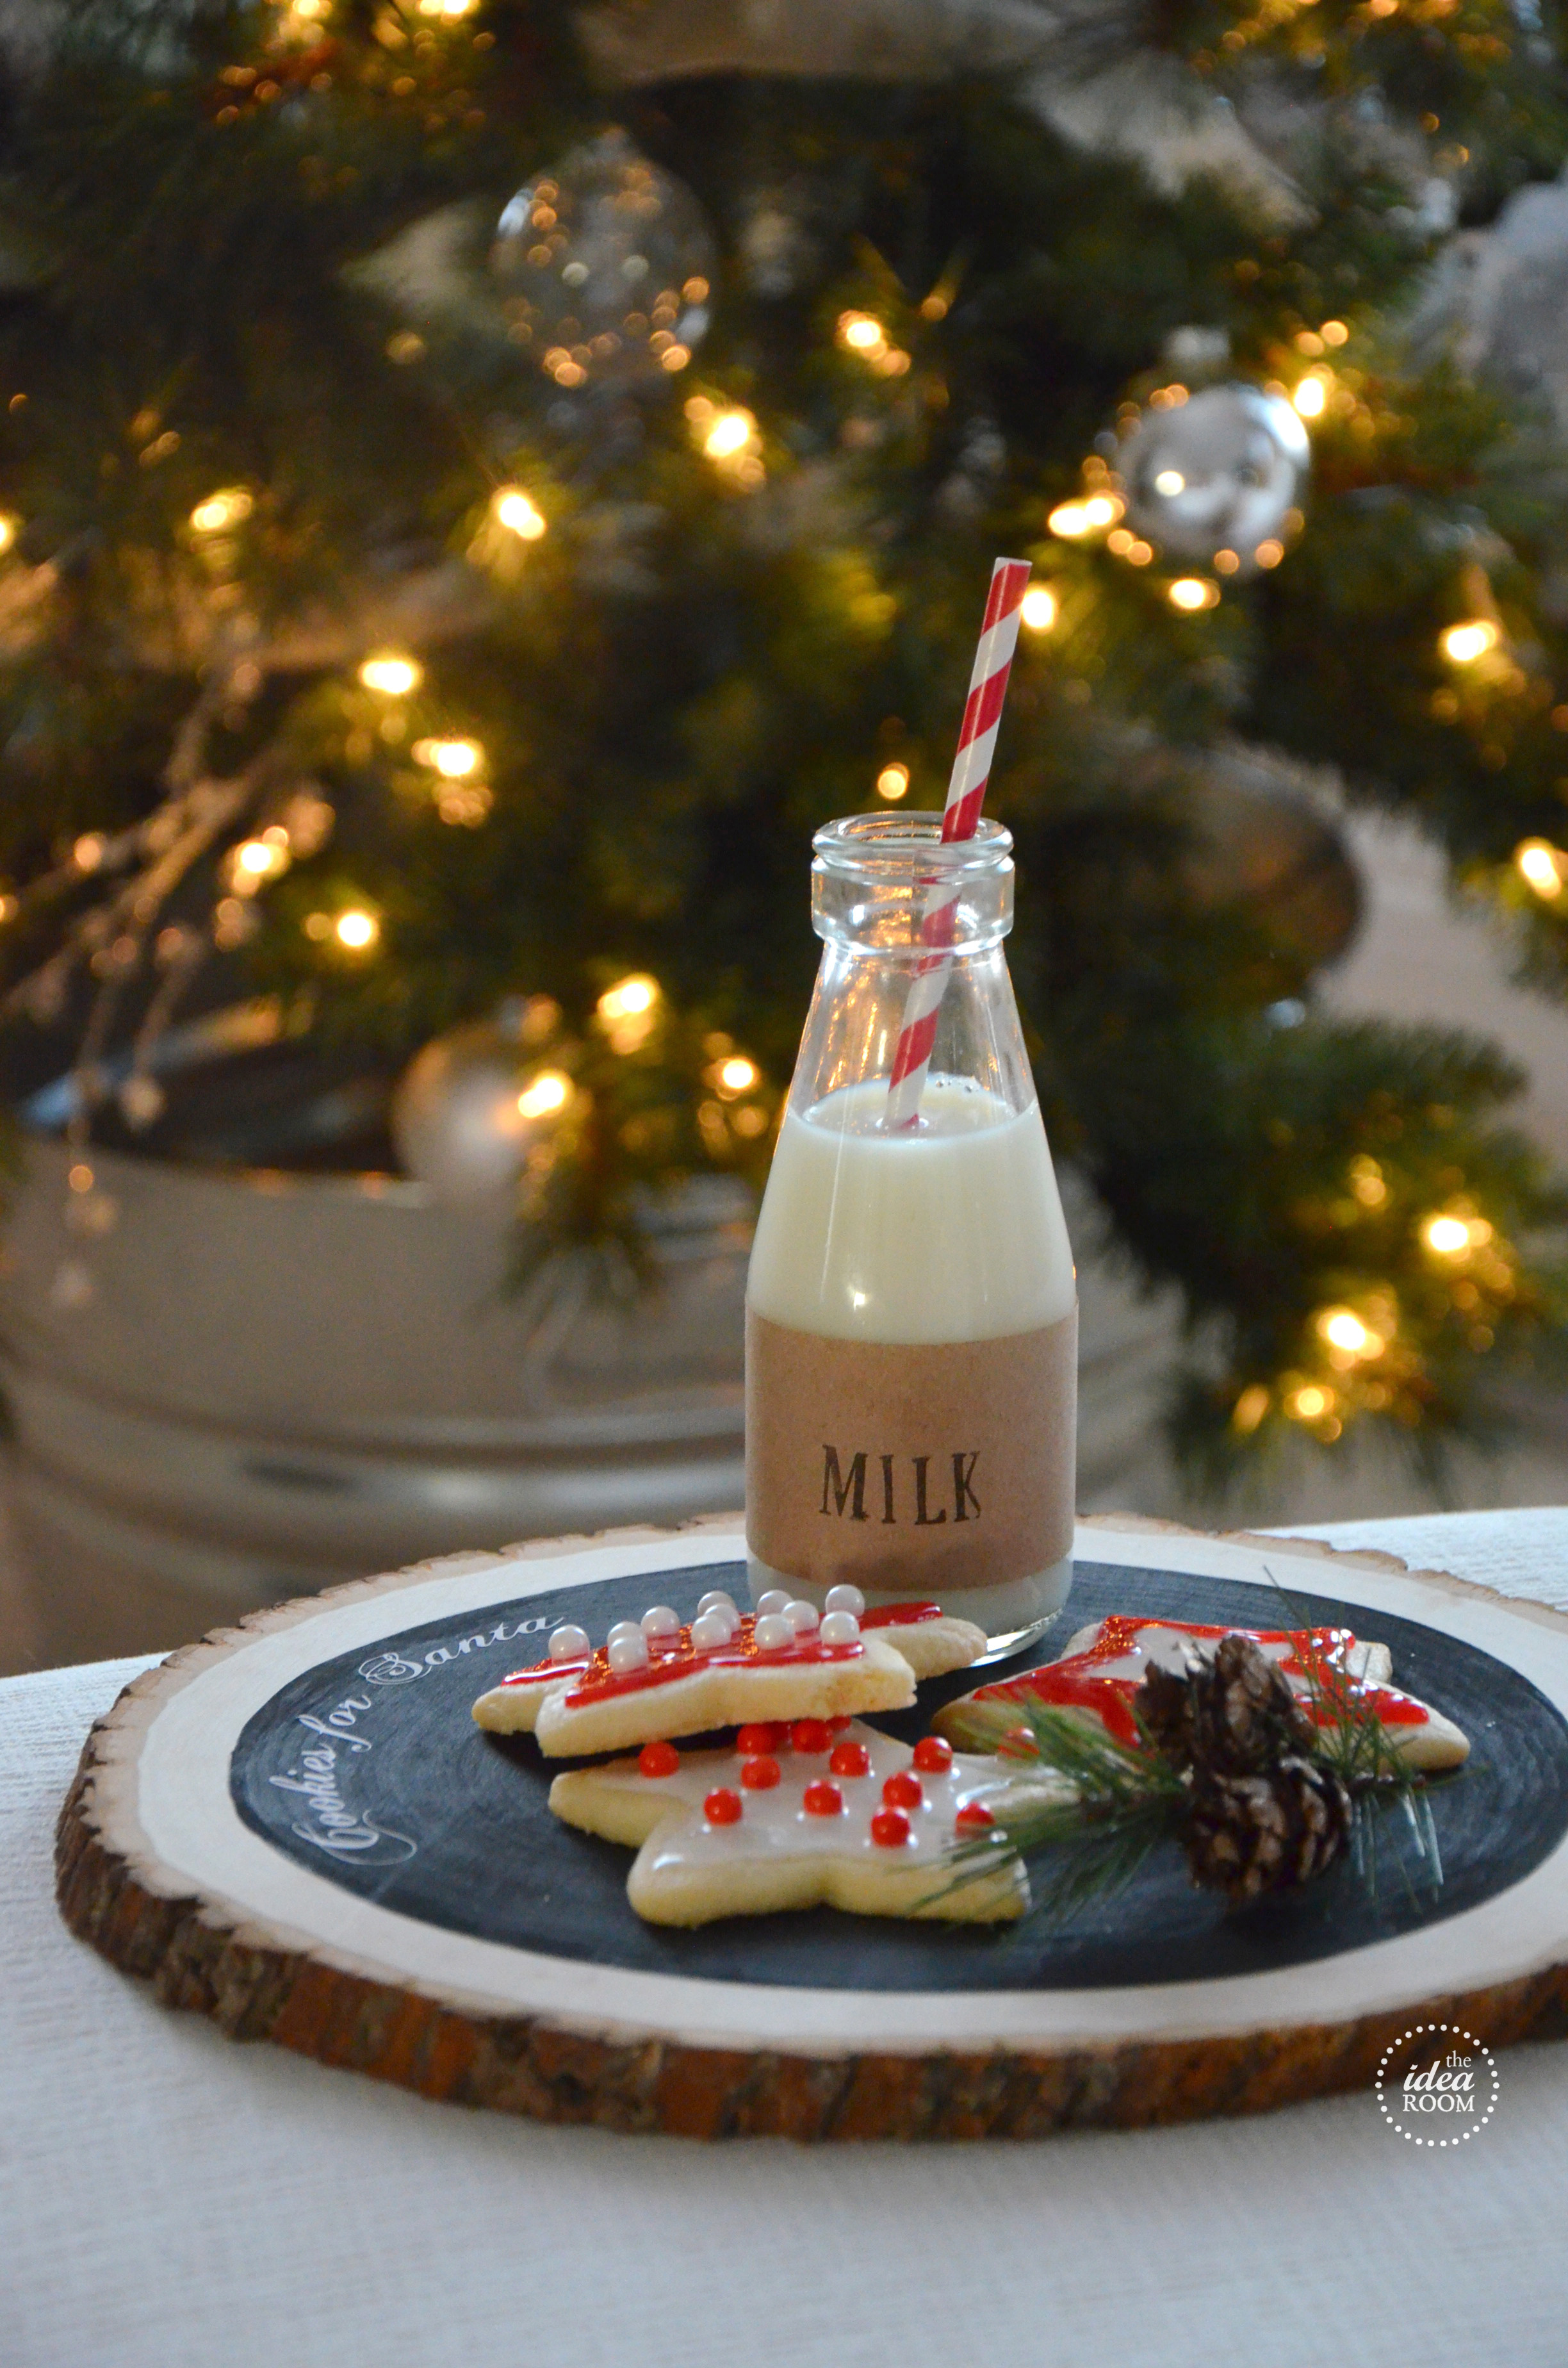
[(722, 1807), (933, 1756), (760, 1775), (838, 1724), (810, 1735), (890, 1829), (850, 1759), (767, 1734), (974, 1817), (658, 1759), (902, 1791), (823, 1799)]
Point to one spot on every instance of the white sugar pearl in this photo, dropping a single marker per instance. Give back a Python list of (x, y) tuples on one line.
[(773, 1601), (846, 1599), (716, 1599), (773, 1631), (660, 1621), (802, 1617), (568, 1643), (628, 1652), (712, 1628), (838, 1628), (623, 1628)]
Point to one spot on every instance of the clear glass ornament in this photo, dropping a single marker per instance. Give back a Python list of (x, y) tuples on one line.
[(605, 269)]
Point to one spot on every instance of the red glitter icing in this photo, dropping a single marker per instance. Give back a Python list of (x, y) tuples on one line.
[(1319, 1653)]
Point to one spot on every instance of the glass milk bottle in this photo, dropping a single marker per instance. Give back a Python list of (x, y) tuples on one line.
[(912, 1307)]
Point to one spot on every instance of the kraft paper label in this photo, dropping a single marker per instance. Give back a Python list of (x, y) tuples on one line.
[(925, 1469)]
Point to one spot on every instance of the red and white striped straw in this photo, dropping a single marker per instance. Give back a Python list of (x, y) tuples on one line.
[(960, 817)]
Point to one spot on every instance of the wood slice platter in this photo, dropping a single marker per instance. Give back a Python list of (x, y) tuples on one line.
[(401, 1903)]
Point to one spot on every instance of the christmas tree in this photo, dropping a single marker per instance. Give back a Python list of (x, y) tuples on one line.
[(481, 486)]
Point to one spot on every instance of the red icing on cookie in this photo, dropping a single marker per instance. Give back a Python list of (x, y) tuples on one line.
[(676, 1655), (901, 1615), (1319, 1654)]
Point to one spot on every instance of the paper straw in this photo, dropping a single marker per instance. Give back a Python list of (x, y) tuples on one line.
[(961, 818)]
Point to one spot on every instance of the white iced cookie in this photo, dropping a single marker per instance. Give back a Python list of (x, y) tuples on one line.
[(1105, 1663), (816, 1813), (662, 1676)]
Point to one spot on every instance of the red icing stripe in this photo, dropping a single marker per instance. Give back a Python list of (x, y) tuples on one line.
[(1075, 1684), (901, 1615), (674, 1656)]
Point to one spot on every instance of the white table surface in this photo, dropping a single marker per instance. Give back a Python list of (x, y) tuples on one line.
[(167, 2197)]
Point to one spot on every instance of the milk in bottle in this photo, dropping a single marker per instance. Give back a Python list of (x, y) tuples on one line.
[(911, 1320)]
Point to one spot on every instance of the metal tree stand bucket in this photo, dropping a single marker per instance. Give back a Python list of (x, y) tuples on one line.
[(281, 1380)]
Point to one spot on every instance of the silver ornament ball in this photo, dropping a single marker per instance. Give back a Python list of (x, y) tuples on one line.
[(470, 1109), (1221, 472), (605, 266)]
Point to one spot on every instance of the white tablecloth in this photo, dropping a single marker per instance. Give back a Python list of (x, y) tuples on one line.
[(169, 2198)]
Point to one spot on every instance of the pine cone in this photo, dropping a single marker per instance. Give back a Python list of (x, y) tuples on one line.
[(1234, 1715), (1246, 1835)]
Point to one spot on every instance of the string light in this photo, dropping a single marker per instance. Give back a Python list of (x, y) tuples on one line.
[(231, 507), (1543, 866), (390, 673), (10, 527), (1464, 644), (1311, 1402), (1367, 1183), (862, 333), (1071, 520), (737, 1075), (545, 1094), (455, 760), (1191, 593), (1311, 397), (255, 860), (893, 781), (729, 434), (1452, 1236), (1169, 482), (1344, 1332), (1249, 1409), (1037, 611), (629, 1011), (518, 514), (1333, 332), (89, 850), (356, 929)]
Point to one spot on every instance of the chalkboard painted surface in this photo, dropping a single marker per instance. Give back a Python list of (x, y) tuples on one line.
[(450, 1825), (296, 1827)]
